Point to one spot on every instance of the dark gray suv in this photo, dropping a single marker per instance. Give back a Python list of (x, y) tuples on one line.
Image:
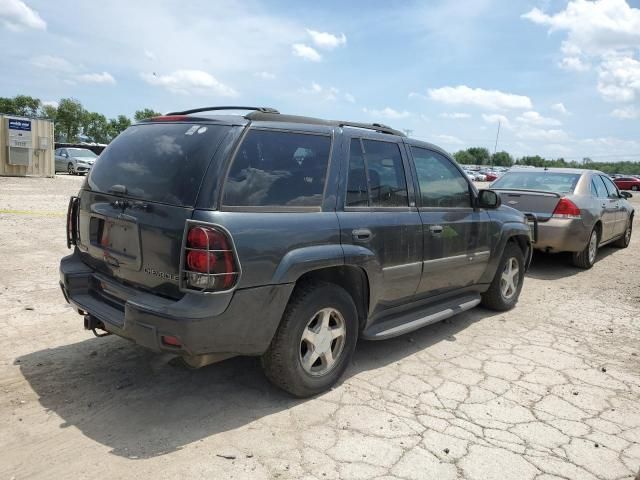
[(284, 237)]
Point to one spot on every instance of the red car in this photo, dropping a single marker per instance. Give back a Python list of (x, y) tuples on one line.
[(627, 183)]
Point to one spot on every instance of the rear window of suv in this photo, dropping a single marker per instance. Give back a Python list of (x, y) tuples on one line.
[(158, 162), (274, 168)]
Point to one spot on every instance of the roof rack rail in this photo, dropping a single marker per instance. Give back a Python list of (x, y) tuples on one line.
[(210, 109), (378, 127), (269, 117)]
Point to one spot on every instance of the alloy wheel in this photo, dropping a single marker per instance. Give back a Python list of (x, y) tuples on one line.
[(322, 342), (70, 169), (593, 247), (510, 278)]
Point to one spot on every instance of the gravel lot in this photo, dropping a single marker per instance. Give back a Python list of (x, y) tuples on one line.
[(548, 390)]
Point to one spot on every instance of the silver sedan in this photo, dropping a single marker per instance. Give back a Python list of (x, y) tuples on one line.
[(577, 210)]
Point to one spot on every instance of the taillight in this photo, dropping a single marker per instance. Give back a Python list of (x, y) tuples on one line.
[(209, 261), (566, 209), (72, 221), (168, 118)]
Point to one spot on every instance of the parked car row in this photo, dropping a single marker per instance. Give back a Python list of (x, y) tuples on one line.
[(289, 238)]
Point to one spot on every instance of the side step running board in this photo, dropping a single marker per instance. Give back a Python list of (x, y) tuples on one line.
[(414, 320)]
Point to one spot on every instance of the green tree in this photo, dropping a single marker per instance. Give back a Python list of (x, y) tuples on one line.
[(480, 154), (69, 118), (49, 111), (7, 106), (26, 106), (501, 159), (464, 158), (118, 125), (145, 113), (96, 127)]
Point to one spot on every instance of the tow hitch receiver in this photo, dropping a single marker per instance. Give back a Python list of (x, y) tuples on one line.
[(92, 323)]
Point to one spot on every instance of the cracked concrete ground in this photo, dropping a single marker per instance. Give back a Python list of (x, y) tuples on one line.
[(547, 391)]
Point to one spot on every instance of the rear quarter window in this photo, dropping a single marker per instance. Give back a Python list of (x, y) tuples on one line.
[(273, 168), (158, 162)]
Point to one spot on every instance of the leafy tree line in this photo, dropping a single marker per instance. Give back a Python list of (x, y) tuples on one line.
[(481, 156), (71, 118)]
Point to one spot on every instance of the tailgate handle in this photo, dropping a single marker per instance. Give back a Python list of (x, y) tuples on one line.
[(436, 229)]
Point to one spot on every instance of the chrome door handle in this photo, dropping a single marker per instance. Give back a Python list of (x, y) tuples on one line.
[(362, 234), (436, 229)]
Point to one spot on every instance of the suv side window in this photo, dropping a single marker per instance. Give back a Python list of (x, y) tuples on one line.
[(598, 187), (376, 175), (273, 168), (441, 183), (611, 187)]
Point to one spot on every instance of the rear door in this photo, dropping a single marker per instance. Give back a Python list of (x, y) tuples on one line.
[(607, 205), (135, 202), (617, 207), (456, 236), (379, 216)]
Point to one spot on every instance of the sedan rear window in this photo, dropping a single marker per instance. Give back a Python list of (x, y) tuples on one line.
[(545, 181), (158, 162)]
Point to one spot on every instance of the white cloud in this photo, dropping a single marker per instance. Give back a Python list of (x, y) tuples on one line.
[(265, 75), (149, 54), (16, 15), (188, 82), (540, 134), (560, 108), (449, 139), (50, 103), (306, 52), (497, 118), (330, 94), (626, 113), (492, 99), (50, 62), (417, 95), (455, 115), (387, 112), (534, 118), (103, 77), (349, 98), (325, 40), (606, 32), (619, 79)]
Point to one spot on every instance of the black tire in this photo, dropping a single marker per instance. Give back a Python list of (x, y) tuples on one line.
[(625, 239), (282, 363), (634, 188), (495, 298), (71, 169), (584, 259)]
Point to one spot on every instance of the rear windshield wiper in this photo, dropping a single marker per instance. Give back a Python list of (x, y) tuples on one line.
[(121, 189)]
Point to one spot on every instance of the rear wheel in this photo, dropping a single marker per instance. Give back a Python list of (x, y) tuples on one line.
[(314, 342), (71, 169), (623, 242), (587, 257), (506, 285)]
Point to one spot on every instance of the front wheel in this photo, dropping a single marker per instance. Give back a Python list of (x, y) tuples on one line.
[(587, 257), (506, 285), (314, 342), (71, 169)]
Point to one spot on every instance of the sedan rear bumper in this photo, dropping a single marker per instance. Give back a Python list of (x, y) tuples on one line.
[(562, 235)]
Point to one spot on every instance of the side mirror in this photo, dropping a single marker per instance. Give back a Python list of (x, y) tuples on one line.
[(488, 199), (624, 194)]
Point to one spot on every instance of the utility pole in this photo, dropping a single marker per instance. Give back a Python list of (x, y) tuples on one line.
[(495, 147)]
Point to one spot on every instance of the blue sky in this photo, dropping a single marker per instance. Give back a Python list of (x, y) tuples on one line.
[(562, 78)]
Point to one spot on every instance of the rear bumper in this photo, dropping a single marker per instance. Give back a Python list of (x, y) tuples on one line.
[(242, 322), (562, 235)]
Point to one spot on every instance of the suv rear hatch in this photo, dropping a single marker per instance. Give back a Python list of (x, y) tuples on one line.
[(137, 198)]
